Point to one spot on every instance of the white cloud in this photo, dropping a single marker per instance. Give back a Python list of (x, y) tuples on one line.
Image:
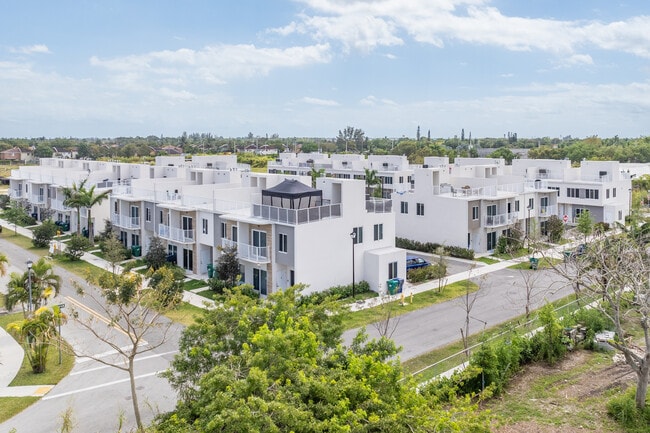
[(317, 101), (31, 49), (367, 24)]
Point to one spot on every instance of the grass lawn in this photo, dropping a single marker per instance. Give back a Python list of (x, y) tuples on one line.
[(52, 375), (544, 263), (421, 300), (194, 284), (487, 260), (184, 313), (22, 241), (12, 406)]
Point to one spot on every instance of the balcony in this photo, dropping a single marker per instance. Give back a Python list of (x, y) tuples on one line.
[(15, 193), (503, 219), (379, 205), (248, 252), (296, 216), (547, 211), (176, 234), (37, 198), (57, 205), (125, 221)]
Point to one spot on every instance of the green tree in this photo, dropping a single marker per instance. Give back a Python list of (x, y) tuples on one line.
[(36, 333), (43, 151), (44, 233), (156, 257), (76, 247), (45, 283), (114, 251), (585, 224), (74, 199), (4, 262), (274, 365), (17, 292), (505, 153), (167, 282), (315, 174), (89, 199), (228, 265), (373, 183), (555, 228)]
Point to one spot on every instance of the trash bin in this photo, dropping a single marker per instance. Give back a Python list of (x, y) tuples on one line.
[(210, 270), (65, 226), (84, 232), (533, 263), (171, 258), (136, 250), (393, 286), (400, 282)]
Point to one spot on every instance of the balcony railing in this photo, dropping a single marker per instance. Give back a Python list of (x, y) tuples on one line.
[(379, 205), (547, 211), (296, 216), (57, 205), (125, 221), (15, 193), (499, 220), (176, 234), (248, 252), (37, 198)]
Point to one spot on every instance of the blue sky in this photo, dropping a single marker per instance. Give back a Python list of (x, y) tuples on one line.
[(308, 68)]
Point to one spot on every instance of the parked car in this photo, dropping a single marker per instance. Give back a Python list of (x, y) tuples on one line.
[(414, 262)]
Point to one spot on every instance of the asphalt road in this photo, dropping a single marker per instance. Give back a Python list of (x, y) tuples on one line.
[(502, 296), (98, 396)]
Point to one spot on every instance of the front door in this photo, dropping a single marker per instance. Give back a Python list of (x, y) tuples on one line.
[(259, 281), (491, 241), (188, 259)]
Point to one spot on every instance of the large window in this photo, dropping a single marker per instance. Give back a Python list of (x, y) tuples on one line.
[(147, 214), (474, 213), (259, 281), (491, 241), (404, 207), (591, 193), (358, 235), (259, 243), (223, 230), (531, 203), (420, 209), (204, 224), (573, 192), (392, 270), (283, 242), (379, 232)]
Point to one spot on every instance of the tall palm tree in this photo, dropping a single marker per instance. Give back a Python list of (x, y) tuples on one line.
[(4, 262), (73, 198), (315, 174), (17, 293), (45, 282), (372, 181), (90, 199)]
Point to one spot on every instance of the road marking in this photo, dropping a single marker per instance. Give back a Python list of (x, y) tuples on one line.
[(94, 313), (90, 388), (124, 362)]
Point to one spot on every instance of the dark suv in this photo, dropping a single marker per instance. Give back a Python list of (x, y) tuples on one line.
[(414, 262)]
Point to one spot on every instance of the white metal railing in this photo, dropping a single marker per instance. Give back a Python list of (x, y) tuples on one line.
[(15, 193), (125, 221), (37, 198), (547, 211), (57, 204), (536, 184), (499, 220), (296, 216), (248, 252), (379, 205), (176, 234)]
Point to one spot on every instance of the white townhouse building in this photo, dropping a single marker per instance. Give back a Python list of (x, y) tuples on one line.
[(470, 203), (392, 170), (601, 187)]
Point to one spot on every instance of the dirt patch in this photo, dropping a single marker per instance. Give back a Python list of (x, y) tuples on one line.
[(568, 397)]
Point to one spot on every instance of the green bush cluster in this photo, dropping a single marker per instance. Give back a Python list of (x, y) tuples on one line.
[(432, 247), (337, 292), (44, 233), (432, 272)]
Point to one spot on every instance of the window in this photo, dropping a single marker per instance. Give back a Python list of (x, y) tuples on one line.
[(204, 222), (259, 281), (474, 213), (543, 202), (379, 232), (420, 209), (607, 193), (579, 212), (555, 188), (392, 270), (223, 230), (591, 193), (135, 239), (115, 208), (259, 243), (531, 203), (160, 217), (543, 228), (404, 207), (283, 242), (358, 232), (620, 215), (572, 192), (233, 231), (147, 214), (188, 229), (614, 192), (516, 205), (491, 241), (401, 179)]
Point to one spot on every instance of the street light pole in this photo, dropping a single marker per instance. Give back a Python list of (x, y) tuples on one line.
[(29, 284), (353, 236)]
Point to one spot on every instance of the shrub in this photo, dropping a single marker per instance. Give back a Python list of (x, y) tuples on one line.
[(76, 246), (433, 248), (549, 341), (44, 233), (434, 271), (623, 409), (338, 292)]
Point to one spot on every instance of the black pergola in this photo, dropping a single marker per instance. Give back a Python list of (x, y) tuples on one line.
[(292, 194)]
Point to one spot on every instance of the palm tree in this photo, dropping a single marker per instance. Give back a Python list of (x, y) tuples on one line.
[(17, 293), (45, 282), (372, 181), (73, 198), (315, 174), (90, 199), (4, 261)]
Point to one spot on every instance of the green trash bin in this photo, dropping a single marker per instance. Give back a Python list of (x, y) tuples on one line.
[(210, 270), (392, 285), (65, 226), (533, 263), (136, 250)]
